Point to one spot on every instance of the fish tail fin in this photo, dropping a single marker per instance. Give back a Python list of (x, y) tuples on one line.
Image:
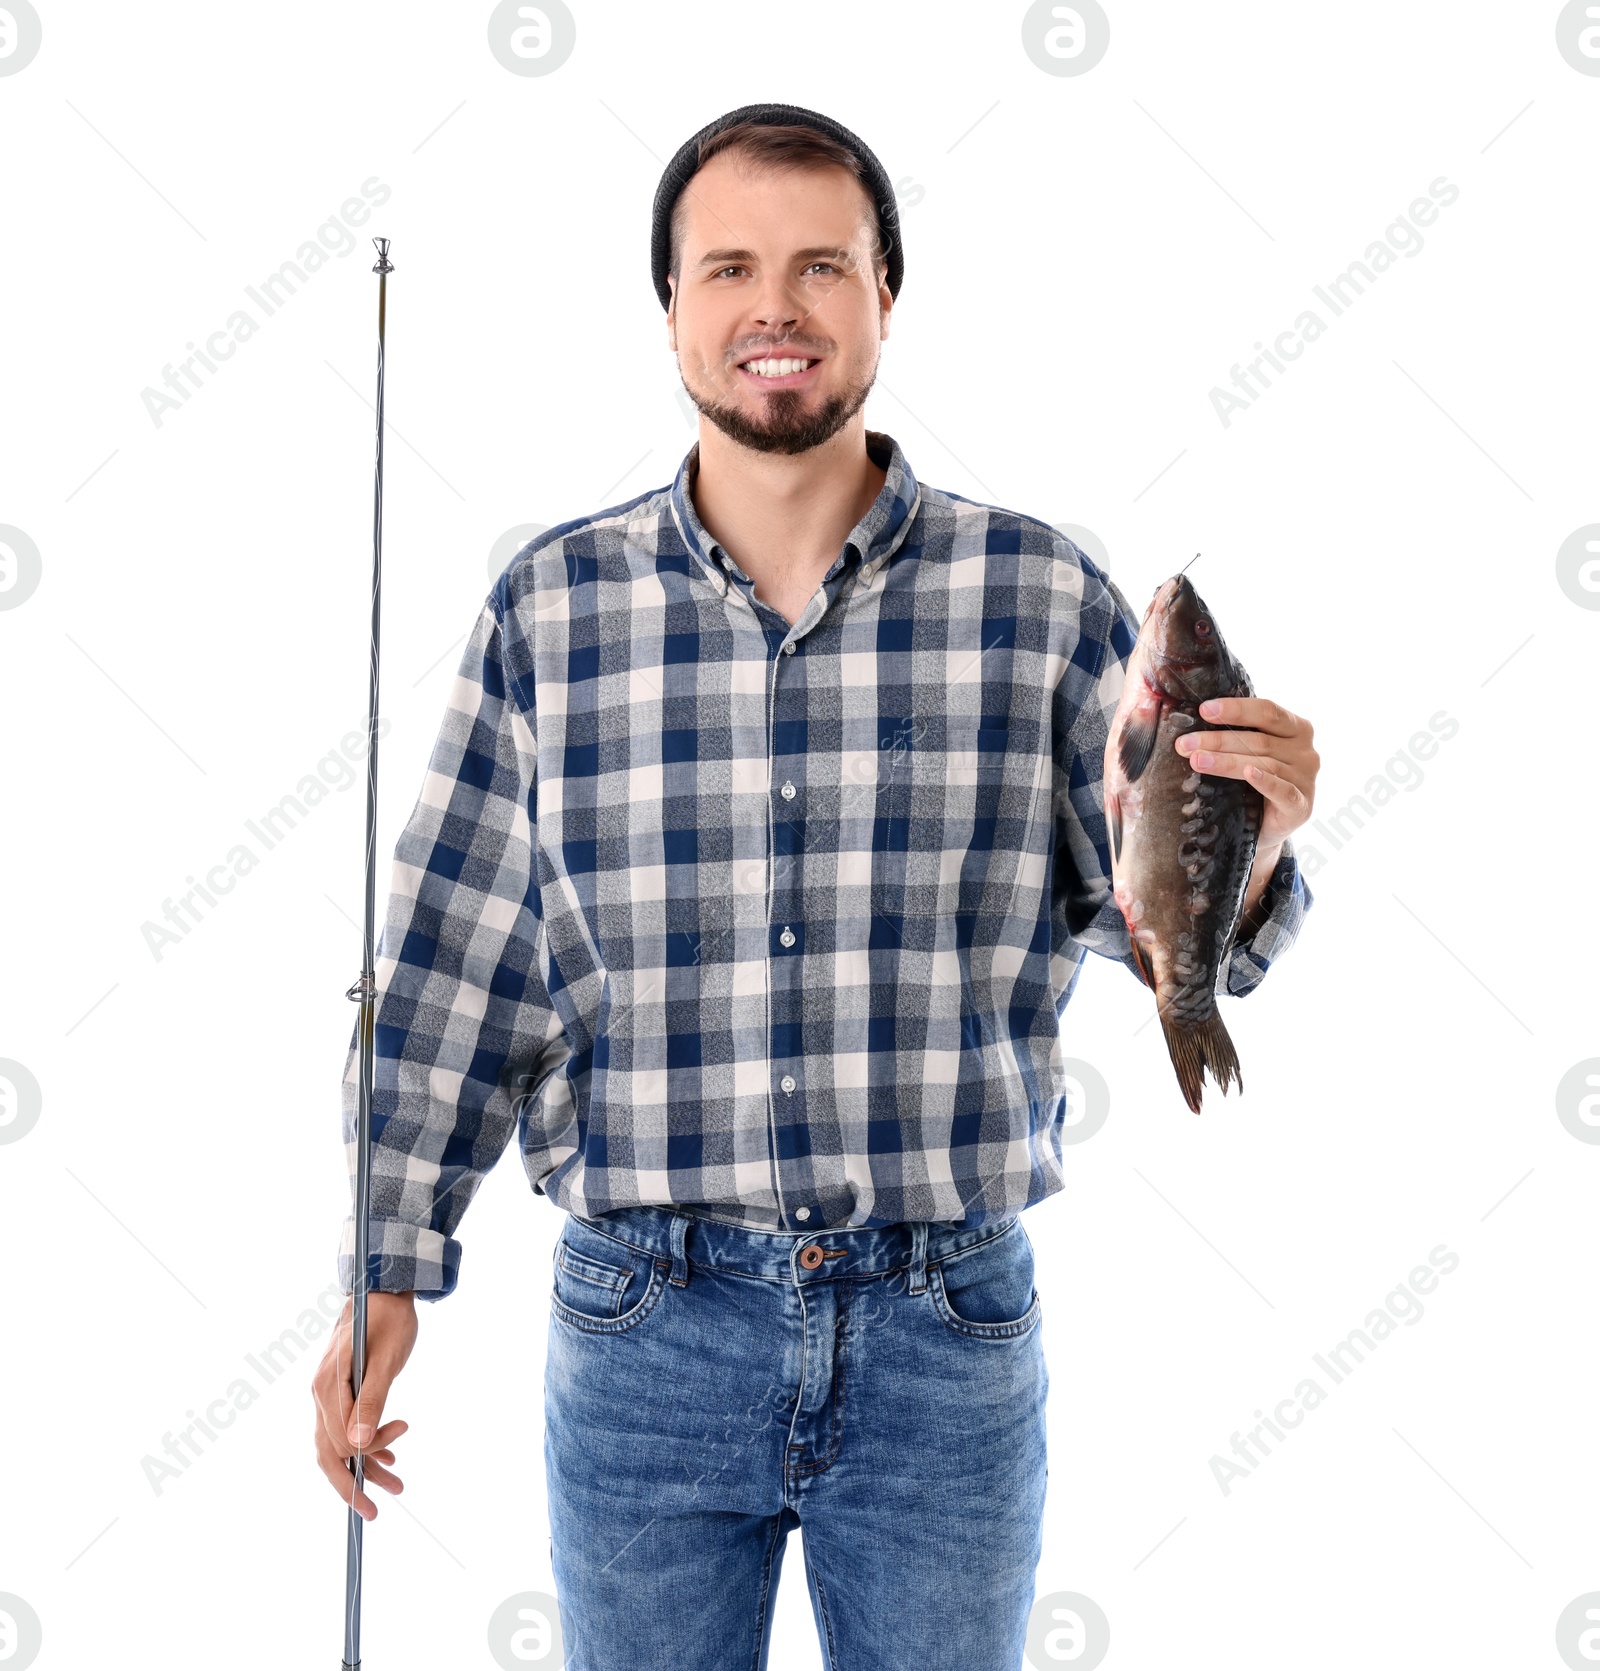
[(1194, 1048)]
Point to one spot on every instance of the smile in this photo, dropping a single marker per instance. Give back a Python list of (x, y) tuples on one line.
[(778, 373)]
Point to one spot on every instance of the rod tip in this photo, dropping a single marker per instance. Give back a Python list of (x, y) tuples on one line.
[(384, 264)]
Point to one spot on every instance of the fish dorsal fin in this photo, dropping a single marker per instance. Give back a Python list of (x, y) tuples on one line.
[(1139, 740)]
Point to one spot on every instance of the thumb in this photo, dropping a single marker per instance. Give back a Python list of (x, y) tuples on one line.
[(367, 1411)]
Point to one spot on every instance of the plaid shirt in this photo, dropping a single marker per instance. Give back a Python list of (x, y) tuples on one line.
[(774, 921)]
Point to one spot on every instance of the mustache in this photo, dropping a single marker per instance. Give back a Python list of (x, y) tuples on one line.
[(793, 348)]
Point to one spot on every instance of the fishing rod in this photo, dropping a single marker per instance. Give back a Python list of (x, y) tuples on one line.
[(364, 992)]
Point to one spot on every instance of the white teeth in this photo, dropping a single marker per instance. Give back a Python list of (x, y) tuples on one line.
[(776, 368)]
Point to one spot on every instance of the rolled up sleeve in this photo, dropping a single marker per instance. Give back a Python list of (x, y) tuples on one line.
[(1286, 900)]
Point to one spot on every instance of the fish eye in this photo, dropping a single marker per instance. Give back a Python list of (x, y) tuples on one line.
[(1202, 628)]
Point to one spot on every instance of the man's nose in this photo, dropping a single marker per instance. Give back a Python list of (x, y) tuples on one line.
[(781, 302)]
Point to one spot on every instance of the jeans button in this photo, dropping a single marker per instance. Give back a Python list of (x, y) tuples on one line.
[(811, 1256)]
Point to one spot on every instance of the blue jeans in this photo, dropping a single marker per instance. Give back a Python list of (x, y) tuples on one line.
[(709, 1387)]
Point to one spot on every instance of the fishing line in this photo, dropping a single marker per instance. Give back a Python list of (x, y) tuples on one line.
[(364, 992)]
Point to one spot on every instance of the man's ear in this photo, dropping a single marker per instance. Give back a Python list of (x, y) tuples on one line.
[(672, 314)]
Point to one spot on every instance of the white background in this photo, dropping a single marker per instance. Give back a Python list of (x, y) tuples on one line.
[(1087, 257)]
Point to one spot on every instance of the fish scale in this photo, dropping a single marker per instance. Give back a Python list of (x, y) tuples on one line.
[(1182, 842)]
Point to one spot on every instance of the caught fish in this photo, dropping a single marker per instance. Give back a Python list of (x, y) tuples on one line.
[(1182, 842)]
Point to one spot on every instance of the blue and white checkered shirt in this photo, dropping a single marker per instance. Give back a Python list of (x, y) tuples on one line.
[(774, 921)]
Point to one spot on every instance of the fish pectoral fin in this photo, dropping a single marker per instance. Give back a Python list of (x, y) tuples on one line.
[(1138, 741), (1114, 821)]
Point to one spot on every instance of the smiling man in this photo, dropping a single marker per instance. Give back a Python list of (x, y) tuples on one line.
[(760, 852)]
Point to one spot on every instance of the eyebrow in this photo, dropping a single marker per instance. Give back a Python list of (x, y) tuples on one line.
[(721, 257)]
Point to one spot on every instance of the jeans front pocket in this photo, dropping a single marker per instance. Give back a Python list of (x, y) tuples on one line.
[(987, 1292), (590, 1285), (601, 1284)]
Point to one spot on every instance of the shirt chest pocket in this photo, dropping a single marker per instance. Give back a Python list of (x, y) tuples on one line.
[(944, 801)]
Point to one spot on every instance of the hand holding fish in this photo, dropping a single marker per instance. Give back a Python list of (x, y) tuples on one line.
[(1196, 818), (1275, 755)]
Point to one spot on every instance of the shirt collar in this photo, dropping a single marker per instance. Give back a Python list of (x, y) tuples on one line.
[(874, 539)]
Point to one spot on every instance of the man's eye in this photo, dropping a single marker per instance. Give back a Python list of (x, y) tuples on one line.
[(736, 268)]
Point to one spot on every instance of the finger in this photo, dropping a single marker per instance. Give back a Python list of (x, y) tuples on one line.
[(371, 1456), (1239, 742), (376, 1474), (332, 1414), (1291, 801), (343, 1394), (361, 1502), (375, 1384), (343, 1480), (1234, 763), (1281, 791), (334, 1421), (1260, 712), (362, 1425), (386, 1435)]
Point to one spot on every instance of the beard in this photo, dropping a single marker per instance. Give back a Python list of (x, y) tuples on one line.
[(791, 424)]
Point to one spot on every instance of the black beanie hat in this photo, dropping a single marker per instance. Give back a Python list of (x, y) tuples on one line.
[(684, 164)]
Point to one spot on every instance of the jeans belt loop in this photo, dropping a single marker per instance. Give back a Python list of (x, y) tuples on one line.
[(680, 1259), (919, 1256)]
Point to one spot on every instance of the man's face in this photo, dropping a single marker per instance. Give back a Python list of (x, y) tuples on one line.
[(777, 265)]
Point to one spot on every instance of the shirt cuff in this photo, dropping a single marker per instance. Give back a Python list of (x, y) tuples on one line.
[(1287, 899), (401, 1258)]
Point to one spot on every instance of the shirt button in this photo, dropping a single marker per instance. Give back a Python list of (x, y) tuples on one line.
[(786, 938), (787, 1082), (787, 791), (788, 648), (867, 573)]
